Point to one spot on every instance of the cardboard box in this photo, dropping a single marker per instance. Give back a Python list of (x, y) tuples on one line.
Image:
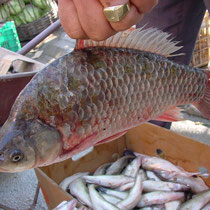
[(146, 139), (12, 84)]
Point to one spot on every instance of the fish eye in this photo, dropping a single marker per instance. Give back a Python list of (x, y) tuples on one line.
[(16, 155)]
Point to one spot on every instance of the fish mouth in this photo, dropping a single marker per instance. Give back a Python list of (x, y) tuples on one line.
[(1, 163)]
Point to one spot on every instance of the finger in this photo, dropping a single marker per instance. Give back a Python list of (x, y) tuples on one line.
[(110, 3), (69, 19), (92, 19), (144, 6), (132, 18)]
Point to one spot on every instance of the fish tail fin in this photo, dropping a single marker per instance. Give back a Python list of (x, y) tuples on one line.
[(204, 104)]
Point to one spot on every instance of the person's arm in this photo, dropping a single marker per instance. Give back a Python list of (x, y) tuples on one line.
[(84, 19)]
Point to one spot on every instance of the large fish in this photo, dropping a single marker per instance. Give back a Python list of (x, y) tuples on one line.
[(95, 94)]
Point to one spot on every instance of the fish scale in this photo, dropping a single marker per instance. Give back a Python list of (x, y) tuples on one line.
[(95, 94), (105, 93)]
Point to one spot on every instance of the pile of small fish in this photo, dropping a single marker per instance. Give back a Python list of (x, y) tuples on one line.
[(137, 181)]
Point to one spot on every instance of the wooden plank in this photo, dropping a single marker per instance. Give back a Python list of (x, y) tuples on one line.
[(21, 63)]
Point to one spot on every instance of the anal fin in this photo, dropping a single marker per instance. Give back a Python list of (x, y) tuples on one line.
[(172, 115)]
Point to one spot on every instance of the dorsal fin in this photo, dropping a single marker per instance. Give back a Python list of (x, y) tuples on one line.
[(150, 40)]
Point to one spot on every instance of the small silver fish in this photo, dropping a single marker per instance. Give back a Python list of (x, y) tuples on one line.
[(155, 163), (67, 205), (152, 176), (197, 202), (116, 193), (101, 170), (125, 187), (81, 208), (150, 185), (206, 207), (110, 198), (159, 197), (133, 168), (98, 202), (196, 184), (118, 165), (111, 181), (173, 205), (67, 181), (143, 174), (153, 207), (130, 185), (79, 190), (133, 197)]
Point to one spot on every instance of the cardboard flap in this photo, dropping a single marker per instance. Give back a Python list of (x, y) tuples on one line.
[(19, 62), (51, 190)]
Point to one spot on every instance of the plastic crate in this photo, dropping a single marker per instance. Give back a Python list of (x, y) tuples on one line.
[(9, 37), (201, 53)]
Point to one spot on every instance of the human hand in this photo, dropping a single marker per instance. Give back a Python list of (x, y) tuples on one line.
[(84, 19)]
